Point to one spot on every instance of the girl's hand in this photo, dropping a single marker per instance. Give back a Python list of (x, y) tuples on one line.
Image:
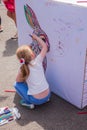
[(34, 36), (41, 42)]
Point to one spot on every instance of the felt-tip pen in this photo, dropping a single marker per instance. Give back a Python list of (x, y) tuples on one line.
[(30, 35)]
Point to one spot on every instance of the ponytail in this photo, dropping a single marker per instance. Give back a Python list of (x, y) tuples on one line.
[(25, 71), (24, 54)]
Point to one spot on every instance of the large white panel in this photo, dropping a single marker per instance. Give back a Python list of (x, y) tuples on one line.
[(66, 27)]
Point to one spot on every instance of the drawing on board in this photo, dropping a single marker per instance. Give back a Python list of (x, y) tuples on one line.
[(34, 24)]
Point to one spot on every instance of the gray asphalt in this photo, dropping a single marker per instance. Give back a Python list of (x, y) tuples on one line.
[(54, 115)]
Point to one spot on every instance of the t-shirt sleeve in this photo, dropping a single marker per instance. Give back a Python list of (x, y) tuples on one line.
[(39, 58)]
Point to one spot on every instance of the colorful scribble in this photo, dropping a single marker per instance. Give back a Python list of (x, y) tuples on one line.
[(34, 24), (59, 48)]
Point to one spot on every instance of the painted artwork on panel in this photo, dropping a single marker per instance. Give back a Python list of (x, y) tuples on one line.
[(34, 24)]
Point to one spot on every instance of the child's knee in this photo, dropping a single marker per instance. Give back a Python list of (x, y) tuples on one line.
[(18, 84)]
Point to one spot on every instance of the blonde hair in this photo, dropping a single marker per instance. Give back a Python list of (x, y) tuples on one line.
[(26, 53)]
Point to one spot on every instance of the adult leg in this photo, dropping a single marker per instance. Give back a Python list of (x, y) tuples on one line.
[(12, 15), (14, 18), (1, 30), (0, 20)]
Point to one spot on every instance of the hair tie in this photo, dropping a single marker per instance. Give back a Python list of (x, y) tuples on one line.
[(22, 61)]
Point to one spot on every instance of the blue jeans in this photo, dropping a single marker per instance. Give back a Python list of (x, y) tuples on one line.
[(22, 88)]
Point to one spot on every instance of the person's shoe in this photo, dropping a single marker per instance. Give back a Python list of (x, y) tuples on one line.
[(48, 100), (1, 30), (15, 37), (23, 103)]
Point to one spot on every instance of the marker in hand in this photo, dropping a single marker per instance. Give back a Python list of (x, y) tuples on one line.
[(30, 35)]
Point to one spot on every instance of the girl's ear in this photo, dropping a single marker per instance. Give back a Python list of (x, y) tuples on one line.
[(33, 55), (31, 17)]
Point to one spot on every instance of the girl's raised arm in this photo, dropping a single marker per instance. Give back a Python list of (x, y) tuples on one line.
[(42, 44)]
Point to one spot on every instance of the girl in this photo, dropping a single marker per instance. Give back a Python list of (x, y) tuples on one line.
[(31, 83)]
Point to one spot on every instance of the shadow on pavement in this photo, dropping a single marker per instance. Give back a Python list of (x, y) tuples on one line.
[(50, 116), (10, 48), (3, 98)]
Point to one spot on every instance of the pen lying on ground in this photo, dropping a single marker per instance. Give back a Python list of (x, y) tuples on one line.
[(10, 91)]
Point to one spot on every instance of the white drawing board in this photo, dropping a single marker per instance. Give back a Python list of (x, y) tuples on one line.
[(66, 27)]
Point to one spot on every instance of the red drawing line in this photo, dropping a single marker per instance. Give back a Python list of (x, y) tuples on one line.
[(10, 91), (81, 1), (82, 112)]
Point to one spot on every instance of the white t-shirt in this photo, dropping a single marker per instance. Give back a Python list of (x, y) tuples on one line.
[(36, 80)]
